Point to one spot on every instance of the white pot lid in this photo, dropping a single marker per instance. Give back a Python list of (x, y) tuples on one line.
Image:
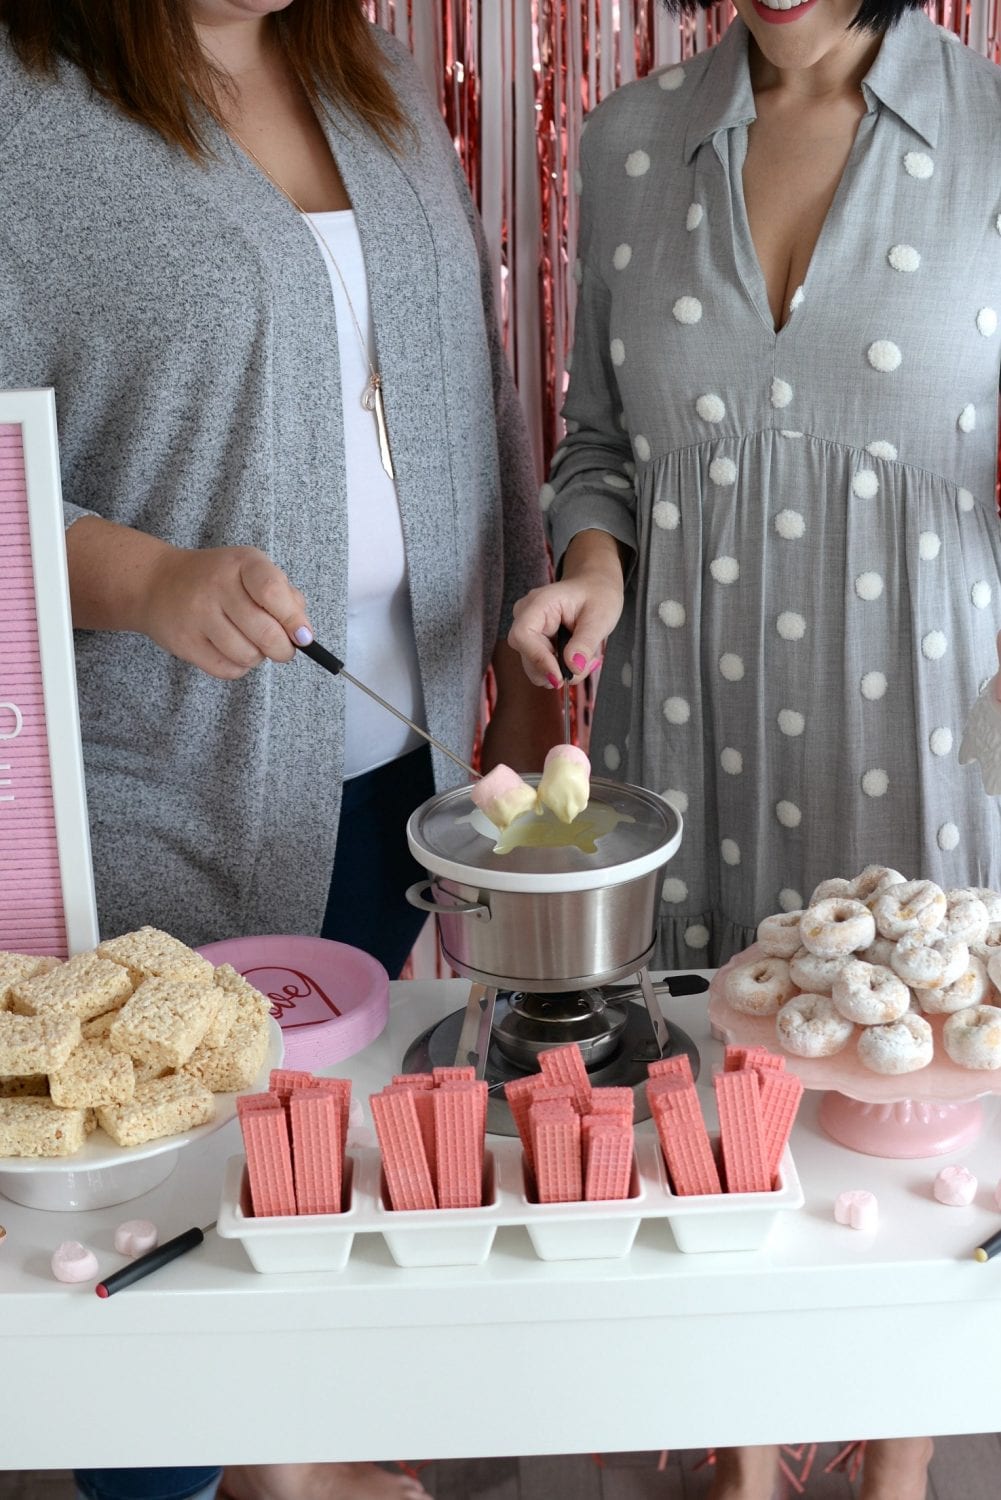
[(451, 838)]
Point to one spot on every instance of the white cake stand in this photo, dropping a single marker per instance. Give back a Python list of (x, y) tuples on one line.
[(101, 1173), (927, 1113)]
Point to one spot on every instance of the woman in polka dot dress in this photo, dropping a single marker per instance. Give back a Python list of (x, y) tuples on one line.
[(782, 431), (779, 468)]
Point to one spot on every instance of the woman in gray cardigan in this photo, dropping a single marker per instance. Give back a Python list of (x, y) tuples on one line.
[(179, 259)]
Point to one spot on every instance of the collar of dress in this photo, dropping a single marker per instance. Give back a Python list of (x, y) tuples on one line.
[(905, 78)]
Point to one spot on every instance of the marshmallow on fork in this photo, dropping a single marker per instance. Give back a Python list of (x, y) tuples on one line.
[(502, 796), (566, 782)]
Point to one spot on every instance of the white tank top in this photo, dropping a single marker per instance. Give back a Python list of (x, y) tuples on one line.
[(381, 648)]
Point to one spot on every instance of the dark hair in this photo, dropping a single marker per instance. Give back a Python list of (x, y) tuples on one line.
[(144, 56), (872, 15)]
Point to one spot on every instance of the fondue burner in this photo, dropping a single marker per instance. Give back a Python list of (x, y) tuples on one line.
[(613, 1032), (545, 931)]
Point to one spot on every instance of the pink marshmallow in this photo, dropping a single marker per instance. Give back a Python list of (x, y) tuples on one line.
[(502, 796), (572, 753), (136, 1236), (72, 1261), (857, 1208), (955, 1186)]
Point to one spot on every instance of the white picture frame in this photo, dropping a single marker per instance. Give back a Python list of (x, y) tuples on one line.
[(47, 899)]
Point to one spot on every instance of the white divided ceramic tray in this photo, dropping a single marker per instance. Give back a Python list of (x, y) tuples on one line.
[(464, 1236)]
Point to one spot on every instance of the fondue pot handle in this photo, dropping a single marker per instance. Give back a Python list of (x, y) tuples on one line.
[(418, 896)]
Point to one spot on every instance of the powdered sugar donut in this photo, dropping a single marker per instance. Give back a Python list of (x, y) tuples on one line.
[(870, 994), (965, 917), (929, 959), (994, 970), (839, 886), (779, 935), (879, 951), (811, 1026), (873, 880), (837, 926), (991, 899), (971, 988), (989, 944), (759, 987), (901, 908), (814, 975), (972, 1037), (902, 1046)]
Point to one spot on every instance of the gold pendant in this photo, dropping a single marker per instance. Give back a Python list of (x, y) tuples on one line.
[(372, 401)]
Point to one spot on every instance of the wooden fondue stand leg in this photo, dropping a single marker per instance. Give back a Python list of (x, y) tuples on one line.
[(477, 1024), (654, 1011)]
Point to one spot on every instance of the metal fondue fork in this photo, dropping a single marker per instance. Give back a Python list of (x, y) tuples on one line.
[(335, 667)]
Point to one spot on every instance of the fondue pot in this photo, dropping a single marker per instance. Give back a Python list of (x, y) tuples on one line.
[(544, 918)]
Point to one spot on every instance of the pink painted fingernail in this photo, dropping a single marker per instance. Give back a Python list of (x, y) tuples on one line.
[(579, 660), (303, 636), (596, 663), (554, 682)]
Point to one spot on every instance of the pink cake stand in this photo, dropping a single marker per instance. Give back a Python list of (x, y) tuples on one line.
[(329, 999), (927, 1113)]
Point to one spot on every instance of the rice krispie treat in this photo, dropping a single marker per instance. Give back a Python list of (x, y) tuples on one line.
[(228, 1008), (149, 953), (164, 1106), (229, 1069), (36, 1044), (17, 966), (93, 1074), (85, 986), (98, 1026), (164, 1021), (37, 1127), (252, 1002)]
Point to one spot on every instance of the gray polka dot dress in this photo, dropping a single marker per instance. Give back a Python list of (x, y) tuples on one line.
[(817, 590)]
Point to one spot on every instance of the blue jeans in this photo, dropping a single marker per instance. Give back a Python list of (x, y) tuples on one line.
[(366, 907), (147, 1484)]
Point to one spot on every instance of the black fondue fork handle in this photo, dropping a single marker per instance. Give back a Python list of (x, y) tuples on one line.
[(561, 643)]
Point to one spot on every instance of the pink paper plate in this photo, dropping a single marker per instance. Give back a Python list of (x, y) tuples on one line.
[(329, 999)]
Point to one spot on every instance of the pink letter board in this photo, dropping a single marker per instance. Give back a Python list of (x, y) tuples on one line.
[(46, 877)]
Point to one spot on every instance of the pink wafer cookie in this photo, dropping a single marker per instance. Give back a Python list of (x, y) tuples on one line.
[(247, 1103), (745, 1158), (282, 1081), (519, 1094), (674, 1096), (453, 1075), (689, 1157), (566, 1065), (613, 1101), (424, 1105), (556, 1149), (413, 1080), (269, 1159), (316, 1151), (734, 1059), (408, 1176), (459, 1118), (608, 1158), (780, 1095), (340, 1089), (669, 1067)]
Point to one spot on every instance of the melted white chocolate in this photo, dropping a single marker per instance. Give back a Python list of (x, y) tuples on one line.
[(545, 831)]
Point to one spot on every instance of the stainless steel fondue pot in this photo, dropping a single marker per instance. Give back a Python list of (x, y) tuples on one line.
[(548, 919)]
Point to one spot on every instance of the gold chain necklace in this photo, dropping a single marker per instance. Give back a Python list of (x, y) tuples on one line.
[(372, 395)]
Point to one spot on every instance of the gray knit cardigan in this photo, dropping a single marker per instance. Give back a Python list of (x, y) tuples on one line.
[(183, 315)]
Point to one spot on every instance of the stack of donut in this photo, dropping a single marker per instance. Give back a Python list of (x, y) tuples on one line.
[(870, 959)]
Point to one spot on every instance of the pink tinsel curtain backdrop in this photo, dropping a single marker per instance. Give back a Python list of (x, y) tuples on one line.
[(514, 80)]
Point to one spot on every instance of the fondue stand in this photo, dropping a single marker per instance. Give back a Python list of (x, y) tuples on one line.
[(544, 932)]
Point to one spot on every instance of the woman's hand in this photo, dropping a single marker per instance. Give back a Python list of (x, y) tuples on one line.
[(587, 600), (224, 609)]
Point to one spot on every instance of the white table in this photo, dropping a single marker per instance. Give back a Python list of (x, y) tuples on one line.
[(824, 1334)]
